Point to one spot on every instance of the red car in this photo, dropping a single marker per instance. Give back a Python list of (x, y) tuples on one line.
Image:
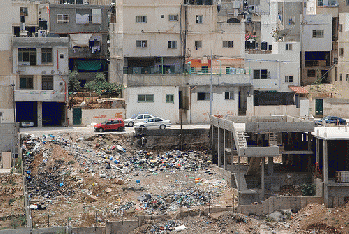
[(110, 125)]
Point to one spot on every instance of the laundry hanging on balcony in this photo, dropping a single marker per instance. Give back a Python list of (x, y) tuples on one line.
[(80, 39)]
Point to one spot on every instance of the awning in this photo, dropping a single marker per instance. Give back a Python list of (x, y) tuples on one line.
[(89, 65), (81, 39), (298, 89)]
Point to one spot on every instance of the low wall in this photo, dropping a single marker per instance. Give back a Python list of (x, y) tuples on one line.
[(276, 110), (171, 137), (278, 203), (8, 136), (97, 115), (332, 106)]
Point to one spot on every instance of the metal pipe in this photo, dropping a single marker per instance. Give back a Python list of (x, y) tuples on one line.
[(211, 87)]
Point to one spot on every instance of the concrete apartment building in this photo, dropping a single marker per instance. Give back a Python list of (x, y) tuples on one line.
[(87, 28), (173, 42)]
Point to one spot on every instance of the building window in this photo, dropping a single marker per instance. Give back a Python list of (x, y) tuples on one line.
[(172, 44), (289, 79), (26, 82), (141, 44), (199, 19), (204, 69), (96, 16), (141, 19), (228, 95), (145, 97), (173, 17), (340, 77), (320, 2), (260, 74), (62, 19), (169, 98), (46, 55), (288, 46), (228, 44), (192, 69), (27, 56), (23, 11), (311, 73), (47, 83), (198, 44), (203, 96), (227, 70), (335, 73), (340, 27), (318, 33), (162, 16), (347, 1), (341, 52), (347, 77)]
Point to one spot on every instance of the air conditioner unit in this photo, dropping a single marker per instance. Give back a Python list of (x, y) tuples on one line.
[(43, 72), (42, 33), (22, 27), (342, 176), (86, 2)]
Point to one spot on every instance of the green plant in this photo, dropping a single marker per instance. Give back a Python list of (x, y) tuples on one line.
[(101, 86), (74, 83), (71, 162), (12, 200), (308, 190)]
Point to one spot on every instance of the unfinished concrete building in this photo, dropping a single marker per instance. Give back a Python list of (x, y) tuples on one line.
[(241, 145)]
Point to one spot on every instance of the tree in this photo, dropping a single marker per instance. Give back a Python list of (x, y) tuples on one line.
[(74, 83), (101, 86)]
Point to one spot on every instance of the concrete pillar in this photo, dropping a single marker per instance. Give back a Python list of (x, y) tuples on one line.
[(262, 178), (39, 109), (219, 148), (232, 149), (325, 171), (236, 101), (224, 152), (239, 175), (270, 165)]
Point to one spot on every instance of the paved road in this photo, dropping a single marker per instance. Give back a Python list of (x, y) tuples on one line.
[(89, 129)]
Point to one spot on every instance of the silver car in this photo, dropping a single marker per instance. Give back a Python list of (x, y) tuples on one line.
[(138, 118), (154, 123)]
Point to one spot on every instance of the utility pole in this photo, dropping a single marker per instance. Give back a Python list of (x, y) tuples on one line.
[(211, 87), (14, 102)]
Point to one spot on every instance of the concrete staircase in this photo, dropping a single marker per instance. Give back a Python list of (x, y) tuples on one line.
[(273, 138)]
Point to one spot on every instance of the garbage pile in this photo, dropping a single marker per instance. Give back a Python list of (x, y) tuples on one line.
[(174, 200)]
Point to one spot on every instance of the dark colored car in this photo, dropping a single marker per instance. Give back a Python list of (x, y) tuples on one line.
[(110, 125), (331, 119)]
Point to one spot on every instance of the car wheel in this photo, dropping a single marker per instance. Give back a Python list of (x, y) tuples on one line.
[(130, 124), (162, 126), (100, 130)]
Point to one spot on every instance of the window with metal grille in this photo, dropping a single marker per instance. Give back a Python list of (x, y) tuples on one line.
[(340, 77), (46, 55), (141, 44), (288, 46), (141, 19), (341, 52), (169, 98), (172, 44), (228, 95), (318, 33), (173, 17), (145, 97), (228, 44), (47, 83), (289, 79), (27, 56), (62, 19), (260, 74)]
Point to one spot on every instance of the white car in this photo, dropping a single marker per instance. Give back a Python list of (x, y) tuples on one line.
[(138, 118), (154, 123)]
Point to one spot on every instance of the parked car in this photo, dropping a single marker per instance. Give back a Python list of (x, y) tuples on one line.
[(331, 119), (154, 123), (138, 118), (110, 125)]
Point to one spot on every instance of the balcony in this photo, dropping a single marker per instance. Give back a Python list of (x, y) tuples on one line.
[(220, 79), (254, 51), (39, 96)]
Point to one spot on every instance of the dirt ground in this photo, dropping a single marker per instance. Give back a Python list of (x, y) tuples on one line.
[(12, 213), (86, 180)]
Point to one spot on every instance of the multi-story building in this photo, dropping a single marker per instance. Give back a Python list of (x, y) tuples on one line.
[(182, 40), (87, 28)]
